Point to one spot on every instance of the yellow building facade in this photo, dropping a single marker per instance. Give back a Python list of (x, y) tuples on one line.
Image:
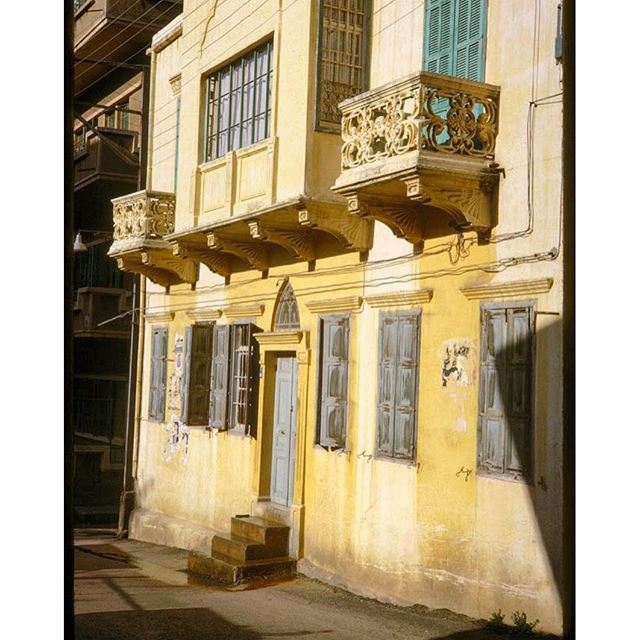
[(351, 316)]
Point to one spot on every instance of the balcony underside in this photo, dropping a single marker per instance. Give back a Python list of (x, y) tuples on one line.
[(405, 192), (301, 230)]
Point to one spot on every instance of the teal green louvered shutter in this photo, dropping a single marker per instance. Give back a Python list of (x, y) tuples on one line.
[(455, 37), (334, 381), (470, 38)]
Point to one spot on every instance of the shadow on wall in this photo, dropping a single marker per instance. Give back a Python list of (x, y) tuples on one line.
[(520, 426)]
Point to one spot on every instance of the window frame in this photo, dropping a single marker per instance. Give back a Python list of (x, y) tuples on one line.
[(526, 476), (319, 381), (324, 125), (211, 137), (398, 315), (187, 379)]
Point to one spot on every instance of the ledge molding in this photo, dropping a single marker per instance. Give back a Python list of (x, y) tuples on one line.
[(279, 337), (159, 316), (350, 303), (400, 298), (205, 315), (507, 289), (236, 312)]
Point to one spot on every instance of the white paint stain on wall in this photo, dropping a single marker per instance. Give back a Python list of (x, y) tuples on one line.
[(459, 374)]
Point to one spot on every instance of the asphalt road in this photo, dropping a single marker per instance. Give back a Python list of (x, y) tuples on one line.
[(129, 590)]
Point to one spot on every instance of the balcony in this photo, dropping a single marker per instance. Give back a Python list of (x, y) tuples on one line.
[(140, 222), (418, 147), (109, 156), (96, 305), (113, 31)]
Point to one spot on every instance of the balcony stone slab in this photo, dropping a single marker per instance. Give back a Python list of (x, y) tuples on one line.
[(424, 143)]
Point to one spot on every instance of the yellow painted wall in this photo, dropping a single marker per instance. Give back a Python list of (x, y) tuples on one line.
[(407, 533)]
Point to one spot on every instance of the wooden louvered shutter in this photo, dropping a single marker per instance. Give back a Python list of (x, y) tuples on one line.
[(387, 353), (406, 385), (519, 369), (470, 36), (439, 35), (253, 382), (492, 428), (219, 396), (334, 382), (186, 370), (195, 404), (157, 389)]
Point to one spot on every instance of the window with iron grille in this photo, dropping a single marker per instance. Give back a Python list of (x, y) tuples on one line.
[(343, 56), (239, 103), (505, 393)]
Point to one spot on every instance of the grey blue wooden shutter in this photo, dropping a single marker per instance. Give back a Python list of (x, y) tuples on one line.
[(519, 368), (253, 382), (157, 389), (505, 390), (186, 370), (334, 381), (406, 385), (455, 37), (493, 361), (196, 380), (398, 348), (387, 353), (219, 396)]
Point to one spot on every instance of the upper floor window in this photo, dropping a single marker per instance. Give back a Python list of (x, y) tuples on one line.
[(343, 51), (455, 38), (239, 103)]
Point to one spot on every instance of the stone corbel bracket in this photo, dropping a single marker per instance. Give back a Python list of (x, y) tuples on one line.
[(353, 232), (215, 261), (160, 266), (253, 253), (298, 242)]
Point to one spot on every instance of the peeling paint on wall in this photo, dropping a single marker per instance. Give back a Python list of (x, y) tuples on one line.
[(459, 374), (177, 441), (175, 379)]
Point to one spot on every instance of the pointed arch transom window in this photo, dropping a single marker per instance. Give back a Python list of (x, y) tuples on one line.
[(287, 317)]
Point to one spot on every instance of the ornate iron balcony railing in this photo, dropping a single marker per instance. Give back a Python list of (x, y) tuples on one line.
[(423, 112)]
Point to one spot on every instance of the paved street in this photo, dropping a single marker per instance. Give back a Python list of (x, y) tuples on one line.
[(130, 590)]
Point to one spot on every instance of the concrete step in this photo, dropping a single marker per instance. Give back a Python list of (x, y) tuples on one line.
[(246, 549), (230, 571), (271, 534)]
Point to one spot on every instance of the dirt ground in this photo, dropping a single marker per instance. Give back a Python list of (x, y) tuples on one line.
[(125, 589)]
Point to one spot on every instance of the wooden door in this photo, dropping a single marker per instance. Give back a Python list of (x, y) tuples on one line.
[(284, 431)]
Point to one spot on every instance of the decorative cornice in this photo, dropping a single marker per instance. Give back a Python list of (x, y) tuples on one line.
[(350, 303), (176, 84), (507, 289), (237, 312), (400, 298), (279, 337), (159, 316), (204, 315), (167, 34)]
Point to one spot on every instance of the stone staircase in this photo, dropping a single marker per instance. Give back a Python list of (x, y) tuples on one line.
[(255, 548)]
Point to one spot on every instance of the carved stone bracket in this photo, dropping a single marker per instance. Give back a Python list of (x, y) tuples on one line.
[(159, 266), (298, 242), (215, 261), (405, 222), (252, 252), (354, 233)]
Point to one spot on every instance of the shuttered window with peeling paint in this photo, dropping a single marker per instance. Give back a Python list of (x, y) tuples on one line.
[(196, 374), (504, 403), (157, 387), (398, 348)]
